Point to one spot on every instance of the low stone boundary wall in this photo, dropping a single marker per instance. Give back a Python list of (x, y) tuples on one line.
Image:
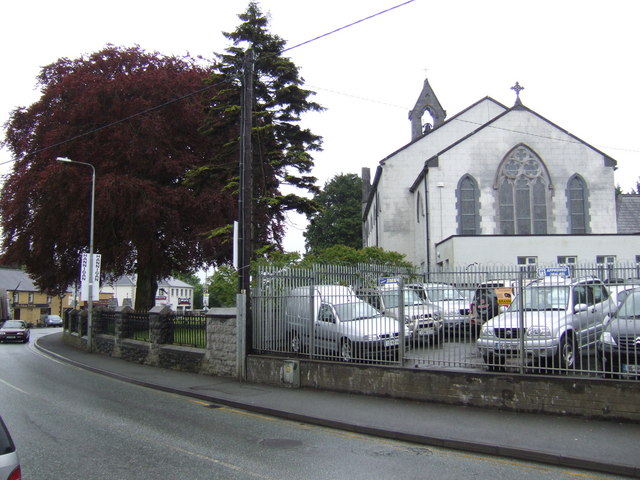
[(585, 397), (590, 398)]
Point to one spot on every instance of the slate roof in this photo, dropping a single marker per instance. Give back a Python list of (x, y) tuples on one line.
[(628, 213), (14, 279)]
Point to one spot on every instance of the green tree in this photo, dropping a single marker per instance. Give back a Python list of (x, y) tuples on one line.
[(147, 221), (339, 218), (281, 147), (223, 286), (341, 254)]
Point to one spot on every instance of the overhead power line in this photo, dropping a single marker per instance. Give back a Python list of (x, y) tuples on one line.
[(174, 100)]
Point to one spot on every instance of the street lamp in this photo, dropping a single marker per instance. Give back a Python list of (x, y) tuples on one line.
[(90, 301)]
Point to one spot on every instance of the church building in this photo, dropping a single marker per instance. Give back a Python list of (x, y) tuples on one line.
[(495, 185)]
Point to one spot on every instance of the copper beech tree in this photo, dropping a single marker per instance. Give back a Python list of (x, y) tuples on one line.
[(136, 117)]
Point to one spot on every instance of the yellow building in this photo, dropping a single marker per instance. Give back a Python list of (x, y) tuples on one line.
[(25, 301)]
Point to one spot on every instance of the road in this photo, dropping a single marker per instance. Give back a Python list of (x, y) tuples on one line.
[(74, 424)]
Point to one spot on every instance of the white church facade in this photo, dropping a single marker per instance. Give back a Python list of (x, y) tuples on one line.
[(497, 185)]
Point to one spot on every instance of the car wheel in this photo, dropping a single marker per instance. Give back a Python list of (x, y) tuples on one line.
[(494, 364), (567, 353), (611, 369), (346, 353), (295, 342)]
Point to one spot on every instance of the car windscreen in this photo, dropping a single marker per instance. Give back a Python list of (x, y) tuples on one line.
[(410, 297), (6, 444), (553, 297), (355, 311), (13, 324), (630, 308), (444, 294)]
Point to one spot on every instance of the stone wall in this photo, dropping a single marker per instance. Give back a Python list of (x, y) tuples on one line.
[(591, 398), (218, 358), (585, 397)]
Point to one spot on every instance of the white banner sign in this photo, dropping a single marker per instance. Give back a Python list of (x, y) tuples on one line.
[(84, 277)]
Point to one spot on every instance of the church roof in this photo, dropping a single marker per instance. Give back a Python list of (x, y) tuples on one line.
[(433, 161), (628, 213)]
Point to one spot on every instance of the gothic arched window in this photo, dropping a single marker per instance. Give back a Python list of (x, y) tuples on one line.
[(468, 206), (577, 205), (522, 184)]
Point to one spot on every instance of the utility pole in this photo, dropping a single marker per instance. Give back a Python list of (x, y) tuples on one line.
[(246, 191)]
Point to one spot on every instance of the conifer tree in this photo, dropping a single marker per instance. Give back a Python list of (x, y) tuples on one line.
[(281, 147)]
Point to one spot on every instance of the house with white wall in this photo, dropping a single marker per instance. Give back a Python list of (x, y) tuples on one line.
[(174, 293)]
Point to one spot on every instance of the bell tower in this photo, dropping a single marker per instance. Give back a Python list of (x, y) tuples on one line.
[(427, 102)]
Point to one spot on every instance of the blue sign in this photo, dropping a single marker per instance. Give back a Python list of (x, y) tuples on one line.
[(554, 272), (386, 280)]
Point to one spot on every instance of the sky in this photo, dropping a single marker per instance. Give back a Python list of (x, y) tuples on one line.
[(577, 60)]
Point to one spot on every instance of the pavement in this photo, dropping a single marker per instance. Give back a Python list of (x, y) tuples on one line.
[(576, 443)]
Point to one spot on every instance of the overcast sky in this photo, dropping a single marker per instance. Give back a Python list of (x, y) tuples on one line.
[(578, 62)]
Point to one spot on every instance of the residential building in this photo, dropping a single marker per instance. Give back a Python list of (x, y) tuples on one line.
[(176, 294)]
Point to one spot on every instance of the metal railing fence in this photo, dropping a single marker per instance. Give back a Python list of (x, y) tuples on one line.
[(135, 326), (556, 319), (188, 329), (105, 322)]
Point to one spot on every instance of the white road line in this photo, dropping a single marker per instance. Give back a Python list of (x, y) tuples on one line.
[(13, 386)]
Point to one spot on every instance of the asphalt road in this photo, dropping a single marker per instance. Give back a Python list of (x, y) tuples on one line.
[(74, 424)]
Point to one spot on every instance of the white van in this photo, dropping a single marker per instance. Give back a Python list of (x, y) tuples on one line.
[(331, 321)]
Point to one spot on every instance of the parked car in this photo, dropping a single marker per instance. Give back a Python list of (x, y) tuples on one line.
[(449, 301), (14, 331), (619, 343), (9, 461), (424, 321), (336, 322), (561, 316), (50, 321)]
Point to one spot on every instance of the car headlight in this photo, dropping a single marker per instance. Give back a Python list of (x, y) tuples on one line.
[(607, 339), (538, 332), (486, 331)]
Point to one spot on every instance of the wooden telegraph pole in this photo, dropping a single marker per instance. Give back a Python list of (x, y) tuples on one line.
[(246, 192)]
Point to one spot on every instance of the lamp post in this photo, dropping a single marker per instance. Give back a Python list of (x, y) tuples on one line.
[(90, 301)]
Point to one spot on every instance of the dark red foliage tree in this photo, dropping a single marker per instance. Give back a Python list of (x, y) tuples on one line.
[(135, 116)]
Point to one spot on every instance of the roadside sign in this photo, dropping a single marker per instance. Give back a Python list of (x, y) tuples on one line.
[(554, 272), (504, 296), (84, 276), (387, 280)]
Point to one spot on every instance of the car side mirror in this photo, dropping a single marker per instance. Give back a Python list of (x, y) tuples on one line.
[(580, 307)]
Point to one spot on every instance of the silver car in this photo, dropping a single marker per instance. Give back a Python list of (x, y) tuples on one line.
[(551, 324), (452, 304), (9, 461), (424, 321)]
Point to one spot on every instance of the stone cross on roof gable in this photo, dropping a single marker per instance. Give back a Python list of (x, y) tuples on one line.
[(517, 88)]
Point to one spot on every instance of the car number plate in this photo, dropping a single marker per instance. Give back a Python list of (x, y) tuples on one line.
[(11, 337), (426, 331), (635, 369), (506, 345), (391, 342)]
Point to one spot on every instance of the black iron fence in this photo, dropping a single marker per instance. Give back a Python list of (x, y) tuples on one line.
[(187, 329), (136, 326)]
